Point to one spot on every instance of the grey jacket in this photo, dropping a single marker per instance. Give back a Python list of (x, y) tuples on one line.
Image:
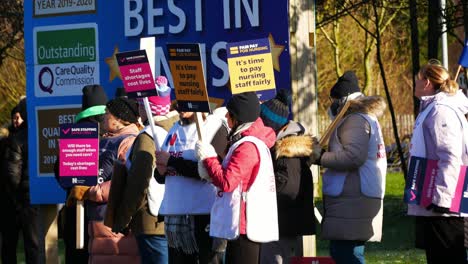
[(352, 215)]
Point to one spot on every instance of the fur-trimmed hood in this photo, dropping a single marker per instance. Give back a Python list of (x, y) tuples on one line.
[(373, 105), (294, 146)]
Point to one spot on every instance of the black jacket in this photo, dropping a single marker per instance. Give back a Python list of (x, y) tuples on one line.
[(294, 184), (16, 165)]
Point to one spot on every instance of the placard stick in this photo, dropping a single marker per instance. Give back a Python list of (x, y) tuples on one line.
[(149, 114), (198, 120), (458, 72), (149, 44), (326, 136), (79, 225)]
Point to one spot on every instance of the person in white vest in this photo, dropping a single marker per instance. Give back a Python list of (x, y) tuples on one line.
[(135, 196), (188, 198), (353, 184), (440, 133), (245, 210)]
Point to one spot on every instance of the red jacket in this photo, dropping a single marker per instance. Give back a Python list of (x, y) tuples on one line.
[(243, 165)]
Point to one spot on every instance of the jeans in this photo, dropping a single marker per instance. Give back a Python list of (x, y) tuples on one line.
[(153, 249), (347, 251)]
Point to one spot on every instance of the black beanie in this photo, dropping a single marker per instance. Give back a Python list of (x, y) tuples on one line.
[(93, 95), (21, 109), (123, 108), (275, 112), (346, 85), (244, 107)]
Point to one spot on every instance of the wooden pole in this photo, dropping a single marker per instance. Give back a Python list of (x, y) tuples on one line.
[(458, 72), (198, 120), (326, 136), (79, 225)]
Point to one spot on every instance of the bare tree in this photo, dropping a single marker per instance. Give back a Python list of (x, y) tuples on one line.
[(11, 29)]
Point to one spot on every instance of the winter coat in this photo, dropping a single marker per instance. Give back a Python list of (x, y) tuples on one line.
[(104, 245), (16, 168), (446, 142), (294, 184), (352, 215), (243, 165), (128, 205)]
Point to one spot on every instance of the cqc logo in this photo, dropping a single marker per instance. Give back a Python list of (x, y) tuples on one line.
[(46, 80), (74, 180)]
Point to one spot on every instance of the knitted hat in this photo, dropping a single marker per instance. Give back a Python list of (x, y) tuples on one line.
[(275, 112), (93, 102), (159, 105), (244, 107), (21, 109), (93, 95), (123, 108), (346, 85)]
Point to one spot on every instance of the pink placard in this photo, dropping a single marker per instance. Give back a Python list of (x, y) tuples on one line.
[(79, 157)]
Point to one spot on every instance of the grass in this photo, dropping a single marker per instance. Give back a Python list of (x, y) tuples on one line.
[(397, 245)]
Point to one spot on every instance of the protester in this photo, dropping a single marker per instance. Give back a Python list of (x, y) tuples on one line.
[(121, 124), (293, 178), (25, 217), (354, 182), (246, 171), (188, 198), (135, 196), (93, 108), (4, 132), (440, 134)]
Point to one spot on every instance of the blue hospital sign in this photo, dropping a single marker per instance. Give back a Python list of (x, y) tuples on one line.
[(70, 44)]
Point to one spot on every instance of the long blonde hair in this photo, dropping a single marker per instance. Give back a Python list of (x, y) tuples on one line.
[(438, 76)]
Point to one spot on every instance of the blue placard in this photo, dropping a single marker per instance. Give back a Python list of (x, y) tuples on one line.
[(68, 46)]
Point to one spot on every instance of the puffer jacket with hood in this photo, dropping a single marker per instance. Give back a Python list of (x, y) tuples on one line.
[(351, 215), (445, 140), (294, 185)]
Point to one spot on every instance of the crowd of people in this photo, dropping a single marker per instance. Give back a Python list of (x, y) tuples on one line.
[(239, 188)]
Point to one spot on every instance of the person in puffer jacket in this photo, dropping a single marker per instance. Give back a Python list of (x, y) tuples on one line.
[(245, 182), (121, 124), (293, 177), (353, 184), (440, 133)]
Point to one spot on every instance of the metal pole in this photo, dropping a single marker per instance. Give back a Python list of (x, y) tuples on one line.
[(444, 35)]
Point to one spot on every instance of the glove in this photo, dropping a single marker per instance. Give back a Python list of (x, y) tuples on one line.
[(203, 172), (204, 150), (317, 152), (77, 193)]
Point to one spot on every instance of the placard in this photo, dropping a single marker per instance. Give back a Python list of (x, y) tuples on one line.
[(189, 79), (136, 74), (251, 68), (420, 185), (79, 154)]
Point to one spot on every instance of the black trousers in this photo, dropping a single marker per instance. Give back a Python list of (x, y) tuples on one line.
[(442, 238), (242, 251), (27, 219), (72, 254)]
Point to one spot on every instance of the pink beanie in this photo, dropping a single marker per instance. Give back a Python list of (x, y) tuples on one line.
[(159, 105)]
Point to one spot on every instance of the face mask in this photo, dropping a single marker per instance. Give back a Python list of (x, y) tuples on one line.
[(334, 107), (330, 114)]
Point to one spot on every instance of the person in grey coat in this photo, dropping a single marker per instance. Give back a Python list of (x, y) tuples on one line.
[(354, 182)]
